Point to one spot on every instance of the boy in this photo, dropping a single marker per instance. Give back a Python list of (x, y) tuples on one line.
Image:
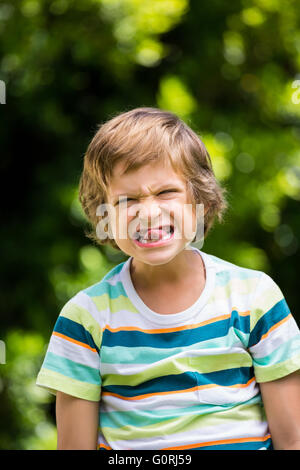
[(174, 348)]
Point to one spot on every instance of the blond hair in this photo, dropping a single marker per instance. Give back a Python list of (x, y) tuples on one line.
[(136, 138)]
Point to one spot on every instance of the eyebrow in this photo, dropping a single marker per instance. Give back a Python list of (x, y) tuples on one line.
[(170, 186)]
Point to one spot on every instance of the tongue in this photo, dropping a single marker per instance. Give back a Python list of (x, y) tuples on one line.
[(155, 234)]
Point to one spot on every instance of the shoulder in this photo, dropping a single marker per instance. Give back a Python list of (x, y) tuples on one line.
[(110, 285), (250, 289), (237, 280), (255, 295), (229, 274), (90, 306)]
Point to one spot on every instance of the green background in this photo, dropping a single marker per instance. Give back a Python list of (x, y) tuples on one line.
[(231, 70)]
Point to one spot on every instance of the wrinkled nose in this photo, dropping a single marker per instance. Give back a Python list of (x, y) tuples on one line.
[(148, 215)]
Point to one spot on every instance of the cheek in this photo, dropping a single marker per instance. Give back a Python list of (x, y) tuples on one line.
[(184, 218), (113, 226), (116, 224), (189, 224), (125, 222)]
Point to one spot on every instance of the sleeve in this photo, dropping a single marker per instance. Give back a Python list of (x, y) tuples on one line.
[(72, 360), (274, 340)]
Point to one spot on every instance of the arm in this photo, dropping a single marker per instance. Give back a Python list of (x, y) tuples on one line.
[(281, 400), (77, 423)]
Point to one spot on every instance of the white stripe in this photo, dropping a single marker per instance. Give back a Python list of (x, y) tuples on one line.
[(230, 429), (83, 300), (280, 335), (208, 396), (212, 310), (74, 352), (102, 440), (167, 401), (240, 288), (266, 296), (114, 279), (183, 401)]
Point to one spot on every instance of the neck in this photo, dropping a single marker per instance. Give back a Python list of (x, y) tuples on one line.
[(185, 266)]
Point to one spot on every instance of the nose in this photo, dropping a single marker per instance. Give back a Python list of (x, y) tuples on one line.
[(149, 213)]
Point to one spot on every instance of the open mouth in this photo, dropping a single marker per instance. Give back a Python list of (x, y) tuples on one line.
[(158, 234)]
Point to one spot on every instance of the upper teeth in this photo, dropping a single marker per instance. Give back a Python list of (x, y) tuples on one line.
[(142, 235)]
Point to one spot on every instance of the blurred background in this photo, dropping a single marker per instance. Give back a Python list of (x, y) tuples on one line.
[(231, 70)]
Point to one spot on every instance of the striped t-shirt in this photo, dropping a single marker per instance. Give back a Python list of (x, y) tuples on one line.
[(188, 380)]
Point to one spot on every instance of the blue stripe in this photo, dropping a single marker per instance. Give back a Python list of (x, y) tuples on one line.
[(115, 270), (113, 291), (176, 339), (104, 287), (160, 384), (238, 446), (277, 313), (74, 330), (148, 355), (175, 382), (72, 369), (256, 445), (223, 277), (240, 323)]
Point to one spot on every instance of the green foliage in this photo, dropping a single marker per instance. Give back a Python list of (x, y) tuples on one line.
[(27, 410), (229, 69)]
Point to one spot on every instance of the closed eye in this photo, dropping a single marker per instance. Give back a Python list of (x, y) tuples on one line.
[(123, 200), (169, 191), (162, 192)]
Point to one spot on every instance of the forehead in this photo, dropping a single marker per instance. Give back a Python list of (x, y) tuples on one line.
[(148, 177)]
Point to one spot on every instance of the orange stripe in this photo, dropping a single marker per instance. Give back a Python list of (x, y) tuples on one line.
[(198, 387), (226, 441), (178, 328), (146, 395), (276, 326), (241, 385), (60, 335), (104, 446)]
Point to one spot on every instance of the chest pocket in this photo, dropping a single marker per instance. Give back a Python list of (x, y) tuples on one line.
[(223, 376)]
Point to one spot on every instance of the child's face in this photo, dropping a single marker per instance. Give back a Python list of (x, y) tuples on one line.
[(156, 196)]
